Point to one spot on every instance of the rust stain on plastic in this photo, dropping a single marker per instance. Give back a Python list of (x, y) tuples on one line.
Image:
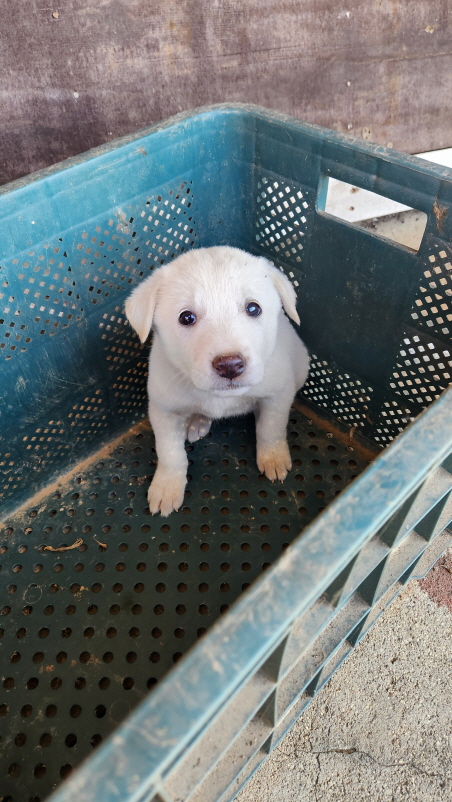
[(66, 480), (440, 213), (362, 447)]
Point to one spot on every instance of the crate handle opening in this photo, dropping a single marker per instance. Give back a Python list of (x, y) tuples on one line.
[(365, 209)]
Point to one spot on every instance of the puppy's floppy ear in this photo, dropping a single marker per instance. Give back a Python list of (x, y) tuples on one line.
[(285, 291), (140, 305)]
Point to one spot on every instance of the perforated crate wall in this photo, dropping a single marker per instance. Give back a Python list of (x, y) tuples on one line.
[(92, 629), (284, 216), (73, 293)]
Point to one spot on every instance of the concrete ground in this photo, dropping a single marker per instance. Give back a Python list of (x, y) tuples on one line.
[(407, 228), (381, 730)]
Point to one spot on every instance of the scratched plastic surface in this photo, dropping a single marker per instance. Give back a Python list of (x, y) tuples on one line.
[(114, 618)]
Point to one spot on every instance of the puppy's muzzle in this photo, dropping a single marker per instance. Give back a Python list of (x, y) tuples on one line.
[(229, 366)]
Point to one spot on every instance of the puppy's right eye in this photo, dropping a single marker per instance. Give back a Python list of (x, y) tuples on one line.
[(187, 318)]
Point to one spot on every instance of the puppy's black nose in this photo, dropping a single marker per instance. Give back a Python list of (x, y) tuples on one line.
[(229, 366)]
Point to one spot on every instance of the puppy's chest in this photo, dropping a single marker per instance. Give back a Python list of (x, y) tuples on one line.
[(215, 407)]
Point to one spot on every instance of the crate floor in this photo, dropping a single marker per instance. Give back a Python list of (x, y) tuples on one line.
[(86, 632)]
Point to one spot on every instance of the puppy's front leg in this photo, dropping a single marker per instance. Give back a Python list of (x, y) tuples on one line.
[(166, 492), (273, 456)]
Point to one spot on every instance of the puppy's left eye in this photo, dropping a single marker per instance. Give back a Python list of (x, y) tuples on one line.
[(253, 309)]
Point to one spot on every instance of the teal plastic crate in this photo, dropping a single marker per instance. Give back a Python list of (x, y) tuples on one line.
[(141, 603)]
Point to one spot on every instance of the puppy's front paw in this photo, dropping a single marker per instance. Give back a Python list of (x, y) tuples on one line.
[(166, 492), (274, 460), (197, 426)]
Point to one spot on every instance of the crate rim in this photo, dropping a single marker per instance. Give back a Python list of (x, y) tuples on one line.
[(251, 110)]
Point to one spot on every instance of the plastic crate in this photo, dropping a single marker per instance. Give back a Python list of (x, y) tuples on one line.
[(87, 631)]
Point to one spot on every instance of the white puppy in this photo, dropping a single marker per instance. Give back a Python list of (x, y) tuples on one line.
[(222, 347)]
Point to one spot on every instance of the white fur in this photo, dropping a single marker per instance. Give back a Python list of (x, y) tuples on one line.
[(185, 392)]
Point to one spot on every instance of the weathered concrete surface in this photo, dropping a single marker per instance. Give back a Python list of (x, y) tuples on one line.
[(382, 729), (405, 227)]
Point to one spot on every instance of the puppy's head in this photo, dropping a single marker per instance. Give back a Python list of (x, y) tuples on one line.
[(216, 313)]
